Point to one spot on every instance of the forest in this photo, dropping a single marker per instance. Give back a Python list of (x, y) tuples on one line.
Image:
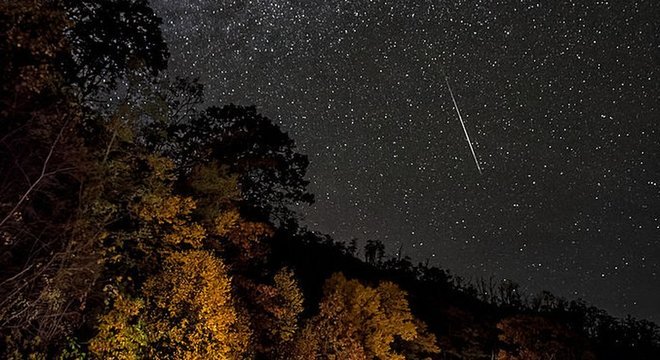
[(139, 222)]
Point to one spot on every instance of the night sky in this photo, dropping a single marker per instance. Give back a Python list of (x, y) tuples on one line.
[(561, 100)]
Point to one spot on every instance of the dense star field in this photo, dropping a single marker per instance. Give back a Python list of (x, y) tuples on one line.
[(561, 100)]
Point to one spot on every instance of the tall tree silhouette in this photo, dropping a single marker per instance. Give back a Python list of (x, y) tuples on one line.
[(374, 251)]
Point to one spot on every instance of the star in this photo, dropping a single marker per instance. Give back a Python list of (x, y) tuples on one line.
[(560, 99)]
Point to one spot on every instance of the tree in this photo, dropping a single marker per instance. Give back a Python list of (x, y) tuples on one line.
[(185, 312), (111, 39), (157, 253), (121, 332), (170, 104), (53, 54), (508, 293), (374, 251), (529, 337), (359, 322), (193, 315), (271, 174), (289, 306), (46, 261), (352, 248), (274, 311)]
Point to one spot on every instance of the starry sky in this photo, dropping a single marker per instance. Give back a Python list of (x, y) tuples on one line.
[(561, 100)]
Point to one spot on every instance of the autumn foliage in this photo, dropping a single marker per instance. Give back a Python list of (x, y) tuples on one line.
[(359, 322), (135, 224)]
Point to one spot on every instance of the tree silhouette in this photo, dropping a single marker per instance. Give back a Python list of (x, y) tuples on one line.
[(271, 173), (111, 39), (374, 251)]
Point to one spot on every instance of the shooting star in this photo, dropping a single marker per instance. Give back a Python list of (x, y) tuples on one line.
[(467, 137)]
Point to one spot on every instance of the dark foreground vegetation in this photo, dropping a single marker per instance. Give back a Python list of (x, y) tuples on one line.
[(135, 223)]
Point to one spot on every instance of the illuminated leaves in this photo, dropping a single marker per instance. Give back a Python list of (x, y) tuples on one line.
[(186, 311), (162, 168), (274, 309), (143, 226), (215, 181), (358, 322), (193, 315), (226, 222), (192, 234), (289, 306), (244, 235), (121, 333), (171, 216), (165, 209)]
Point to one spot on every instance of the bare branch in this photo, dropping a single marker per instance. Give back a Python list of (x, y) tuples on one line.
[(43, 175)]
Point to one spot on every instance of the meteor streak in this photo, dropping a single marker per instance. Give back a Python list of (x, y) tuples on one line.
[(460, 118)]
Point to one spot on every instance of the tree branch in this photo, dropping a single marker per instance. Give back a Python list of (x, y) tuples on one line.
[(43, 175)]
